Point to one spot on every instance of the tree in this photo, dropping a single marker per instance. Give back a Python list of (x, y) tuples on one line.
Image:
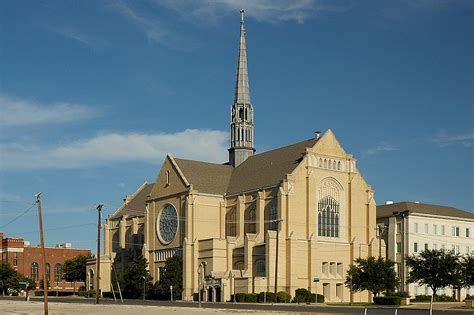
[(173, 276), (74, 269), (10, 278), (467, 264), (135, 277), (375, 275), (435, 268)]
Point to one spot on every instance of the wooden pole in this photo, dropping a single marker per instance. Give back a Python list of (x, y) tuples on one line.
[(97, 266), (45, 281)]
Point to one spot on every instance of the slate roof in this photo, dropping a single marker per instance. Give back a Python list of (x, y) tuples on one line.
[(423, 208), (136, 206), (206, 177), (260, 170)]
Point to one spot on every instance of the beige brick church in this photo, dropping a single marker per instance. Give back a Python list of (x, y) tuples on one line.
[(226, 220)]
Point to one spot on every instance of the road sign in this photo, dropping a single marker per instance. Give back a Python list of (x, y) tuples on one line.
[(315, 279), (24, 282)]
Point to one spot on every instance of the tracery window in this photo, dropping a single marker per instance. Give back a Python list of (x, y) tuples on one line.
[(329, 209), (34, 271)]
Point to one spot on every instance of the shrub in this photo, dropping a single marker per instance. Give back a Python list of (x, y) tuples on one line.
[(39, 293), (270, 297), (108, 295), (302, 296), (387, 300), (283, 297), (402, 294), (445, 298), (422, 298), (246, 297), (469, 297)]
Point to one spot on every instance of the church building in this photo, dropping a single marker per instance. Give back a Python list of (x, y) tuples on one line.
[(293, 217)]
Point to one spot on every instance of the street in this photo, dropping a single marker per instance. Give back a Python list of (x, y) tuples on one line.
[(67, 305)]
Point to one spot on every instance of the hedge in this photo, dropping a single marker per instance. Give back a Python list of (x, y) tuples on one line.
[(304, 296), (246, 297), (283, 297), (437, 298), (270, 297), (387, 300)]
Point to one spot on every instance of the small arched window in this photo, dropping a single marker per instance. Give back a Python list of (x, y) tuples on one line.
[(334, 165), (260, 267), (252, 220), (320, 162), (330, 164), (273, 217), (34, 271), (339, 166), (57, 273), (48, 273), (91, 279), (231, 224)]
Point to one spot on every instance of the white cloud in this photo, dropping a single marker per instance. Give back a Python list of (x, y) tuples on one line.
[(153, 29), (444, 140), (18, 112), (87, 40), (262, 10), (382, 147), (205, 145)]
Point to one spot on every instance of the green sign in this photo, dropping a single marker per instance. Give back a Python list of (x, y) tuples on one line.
[(315, 279), (24, 282)]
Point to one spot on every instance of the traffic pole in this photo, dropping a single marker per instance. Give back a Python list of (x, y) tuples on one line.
[(97, 268)]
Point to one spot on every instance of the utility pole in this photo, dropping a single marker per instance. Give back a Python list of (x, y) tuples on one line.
[(276, 258), (45, 281), (97, 268)]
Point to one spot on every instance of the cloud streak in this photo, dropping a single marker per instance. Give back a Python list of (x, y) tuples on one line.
[(152, 27), (18, 112), (207, 145), (384, 146), (262, 10), (443, 139), (75, 35)]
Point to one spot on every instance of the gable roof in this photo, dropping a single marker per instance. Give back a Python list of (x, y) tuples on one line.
[(260, 170), (136, 205), (206, 177), (413, 207), (267, 168)]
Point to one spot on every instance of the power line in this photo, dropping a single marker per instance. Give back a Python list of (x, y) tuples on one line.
[(18, 216)]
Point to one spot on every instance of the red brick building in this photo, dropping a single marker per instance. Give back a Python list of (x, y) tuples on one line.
[(27, 260)]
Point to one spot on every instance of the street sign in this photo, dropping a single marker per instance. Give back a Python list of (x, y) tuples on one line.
[(24, 282), (315, 279)]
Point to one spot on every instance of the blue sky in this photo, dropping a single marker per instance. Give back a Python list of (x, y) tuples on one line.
[(93, 94)]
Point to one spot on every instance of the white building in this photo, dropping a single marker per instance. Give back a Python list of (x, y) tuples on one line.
[(409, 227)]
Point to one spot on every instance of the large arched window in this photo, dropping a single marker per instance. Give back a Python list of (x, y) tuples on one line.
[(48, 273), (328, 217), (329, 208), (57, 273), (34, 271)]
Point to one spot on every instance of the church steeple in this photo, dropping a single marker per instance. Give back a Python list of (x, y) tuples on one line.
[(241, 126)]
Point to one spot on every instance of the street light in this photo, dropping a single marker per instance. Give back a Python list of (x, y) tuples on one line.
[(201, 270), (402, 215)]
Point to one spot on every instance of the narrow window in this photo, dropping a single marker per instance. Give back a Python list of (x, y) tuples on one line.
[(252, 220), (426, 228), (34, 271), (260, 267), (15, 259), (339, 166), (415, 227), (57, 273), (273, 217), (415, 247), (167, 178), (48, 273), (426, 246), (468, 232)]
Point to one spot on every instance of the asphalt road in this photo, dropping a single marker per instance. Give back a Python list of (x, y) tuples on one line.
[(297, 308)]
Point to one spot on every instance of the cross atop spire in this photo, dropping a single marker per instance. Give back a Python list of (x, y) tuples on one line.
[(242, 91)]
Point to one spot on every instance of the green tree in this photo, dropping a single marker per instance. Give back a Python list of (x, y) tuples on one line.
[(10, 278), (467, 264), (74, 269), (375, 275), (135, 277), (172, 275), (435, 268)]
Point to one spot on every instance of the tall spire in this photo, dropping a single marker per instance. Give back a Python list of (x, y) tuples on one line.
[(242, 93), (241, 125)]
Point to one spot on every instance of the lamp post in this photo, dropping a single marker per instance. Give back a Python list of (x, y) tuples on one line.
[(276, 258), (402, 215), (201, 270)]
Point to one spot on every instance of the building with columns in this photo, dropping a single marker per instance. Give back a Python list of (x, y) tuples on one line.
[(305, 203)]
